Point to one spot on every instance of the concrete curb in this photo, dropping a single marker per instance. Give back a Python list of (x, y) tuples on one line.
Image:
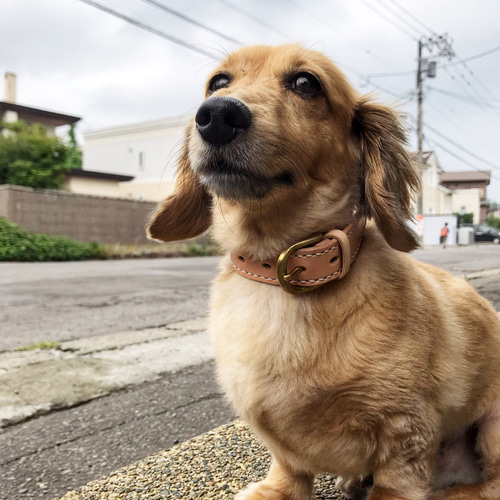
[(214, 466), (39, 381), (479, 274)]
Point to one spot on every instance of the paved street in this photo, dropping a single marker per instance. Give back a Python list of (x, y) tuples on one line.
[(56, 301), (149, 304), (45, 457)]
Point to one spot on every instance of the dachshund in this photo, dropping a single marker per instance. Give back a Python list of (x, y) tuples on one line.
[(342, 352)]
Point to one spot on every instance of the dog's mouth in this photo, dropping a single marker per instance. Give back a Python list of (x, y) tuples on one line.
[(234, 182)]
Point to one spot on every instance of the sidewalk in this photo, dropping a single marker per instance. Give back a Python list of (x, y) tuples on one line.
[(36, 382)]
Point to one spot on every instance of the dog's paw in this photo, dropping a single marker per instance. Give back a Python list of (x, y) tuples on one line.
[(438, 495), (356, 489), (260, 491)]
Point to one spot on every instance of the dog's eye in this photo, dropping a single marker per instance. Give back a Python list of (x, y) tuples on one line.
[(220, 81), (305, 84)]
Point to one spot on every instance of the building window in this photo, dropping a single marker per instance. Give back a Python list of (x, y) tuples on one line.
[(141, 160), (431, 177)]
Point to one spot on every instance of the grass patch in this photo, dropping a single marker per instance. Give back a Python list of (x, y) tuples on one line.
[(39, 345), (202, 246), (17, 244)]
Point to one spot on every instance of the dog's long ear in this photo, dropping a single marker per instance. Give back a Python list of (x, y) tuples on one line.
[(186, 213), (389, 174)]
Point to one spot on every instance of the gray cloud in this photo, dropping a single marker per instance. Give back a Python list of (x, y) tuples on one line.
[(73, 58)]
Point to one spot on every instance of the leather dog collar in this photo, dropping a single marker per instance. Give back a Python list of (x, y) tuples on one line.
[(309, 263)]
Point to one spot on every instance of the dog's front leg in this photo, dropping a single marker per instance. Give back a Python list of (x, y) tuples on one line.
[(280, 484), (403, 478)]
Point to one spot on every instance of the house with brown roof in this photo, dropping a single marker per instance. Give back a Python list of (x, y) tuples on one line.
[(96, 183), (10, 111), (466, 183), (475, 179)]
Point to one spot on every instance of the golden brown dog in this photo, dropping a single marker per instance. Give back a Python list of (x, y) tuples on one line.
[(391, 372)]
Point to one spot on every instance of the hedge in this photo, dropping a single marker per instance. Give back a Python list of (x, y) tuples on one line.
[(17, 244)]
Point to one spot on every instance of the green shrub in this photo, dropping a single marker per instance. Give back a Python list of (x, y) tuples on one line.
[(493, 221), (203, 247), (28, 157), (467, 218), (16, 244)]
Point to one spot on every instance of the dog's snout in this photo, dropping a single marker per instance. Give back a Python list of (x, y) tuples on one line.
[(220, 119)]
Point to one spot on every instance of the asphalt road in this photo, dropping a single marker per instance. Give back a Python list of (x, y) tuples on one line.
[(56, 301), (46, 456)]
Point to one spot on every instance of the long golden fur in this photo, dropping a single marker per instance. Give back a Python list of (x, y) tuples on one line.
[(393, 372)]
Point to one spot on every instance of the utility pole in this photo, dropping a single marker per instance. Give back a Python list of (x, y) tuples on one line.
[(427, 69)]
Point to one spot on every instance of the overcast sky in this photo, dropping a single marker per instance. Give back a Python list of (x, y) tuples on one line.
[(73, 58)]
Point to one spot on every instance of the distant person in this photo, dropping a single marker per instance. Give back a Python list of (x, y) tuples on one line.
[(444, 235)]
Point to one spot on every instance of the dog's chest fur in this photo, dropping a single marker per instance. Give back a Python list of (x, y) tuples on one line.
[(309, 374)]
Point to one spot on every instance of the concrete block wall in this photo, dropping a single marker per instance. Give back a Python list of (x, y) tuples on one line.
[(81, 217)]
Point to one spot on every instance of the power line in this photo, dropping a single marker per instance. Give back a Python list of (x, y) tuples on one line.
[(152, 30), (409, 14), (449, 151), (432, 143), (460, 60), (401, 18), (473, 92), (398, 26), (188, 19), (496, 167), (475, 77), (443, 109), (465, 162), (410, 94), (463, 98), (390, 75), (253, 18), (448, 65), (472, 58), (353, 41), (458, 70), (272, 28)]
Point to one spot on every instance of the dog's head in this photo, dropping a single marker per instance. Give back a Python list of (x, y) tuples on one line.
[(282, 137)]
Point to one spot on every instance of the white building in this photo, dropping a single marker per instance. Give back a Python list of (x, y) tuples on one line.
[(436, 199), (147, 151), (443, 194)]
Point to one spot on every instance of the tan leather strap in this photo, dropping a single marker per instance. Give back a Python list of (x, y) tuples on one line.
[(310, 265)]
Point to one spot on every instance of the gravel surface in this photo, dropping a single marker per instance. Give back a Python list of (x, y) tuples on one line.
[(214, 466)]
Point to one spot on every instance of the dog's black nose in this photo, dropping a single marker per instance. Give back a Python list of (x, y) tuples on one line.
[(220, 119)]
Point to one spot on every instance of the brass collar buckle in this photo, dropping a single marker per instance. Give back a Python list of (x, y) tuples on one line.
[(284, 277)]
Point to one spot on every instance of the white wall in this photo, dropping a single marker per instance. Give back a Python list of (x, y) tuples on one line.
[(145, 150), (152, 190), (432, 226), (467, 201), (97, 187), (436, 198)]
